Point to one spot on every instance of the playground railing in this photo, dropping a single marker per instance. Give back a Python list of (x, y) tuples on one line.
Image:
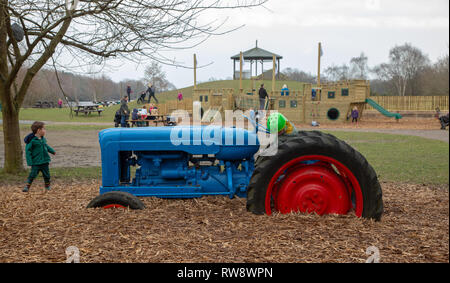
[(411, 103)]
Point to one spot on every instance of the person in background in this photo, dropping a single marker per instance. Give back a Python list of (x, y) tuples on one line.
[(124, 112), (142, 97), (355, 115), (180, 96), (262, 97), (285, 91), (150, 112), (134, 117), (313, 94), (443, 119), (144, 112), (154, 111), (151, 93), (145, 115), (60, 103), (129, 91)]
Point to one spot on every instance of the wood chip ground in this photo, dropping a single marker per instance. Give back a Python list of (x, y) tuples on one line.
[(39, 226)]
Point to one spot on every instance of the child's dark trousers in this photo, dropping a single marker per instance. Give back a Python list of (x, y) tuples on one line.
[(35, 169)]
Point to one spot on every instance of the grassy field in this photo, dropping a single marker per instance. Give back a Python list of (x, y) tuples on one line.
[(398, 158), (66, 174), (63, 115), (66, 127)]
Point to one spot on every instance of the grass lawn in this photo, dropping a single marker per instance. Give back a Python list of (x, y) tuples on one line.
[(399, 158), (63, 115), (66, 174), (65, 127)]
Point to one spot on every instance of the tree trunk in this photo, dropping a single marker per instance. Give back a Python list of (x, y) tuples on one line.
[(12, 139)]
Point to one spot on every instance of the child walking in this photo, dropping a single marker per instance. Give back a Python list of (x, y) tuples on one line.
[(37, 155)]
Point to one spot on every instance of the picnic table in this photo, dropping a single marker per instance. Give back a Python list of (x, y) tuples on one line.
[(163, 119), (86, 108)]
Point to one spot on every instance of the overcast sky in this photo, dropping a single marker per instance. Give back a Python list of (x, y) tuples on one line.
[(293, 28)]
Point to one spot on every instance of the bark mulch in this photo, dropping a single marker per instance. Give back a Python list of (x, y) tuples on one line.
[(39, 226)]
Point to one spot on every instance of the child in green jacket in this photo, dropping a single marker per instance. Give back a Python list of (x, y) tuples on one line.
[(37, 155)]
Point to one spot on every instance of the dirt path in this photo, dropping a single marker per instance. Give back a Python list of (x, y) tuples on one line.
[(73, 148)]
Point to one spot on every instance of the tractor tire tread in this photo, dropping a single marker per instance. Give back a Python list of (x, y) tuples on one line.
[(116, 197), (316, 142)]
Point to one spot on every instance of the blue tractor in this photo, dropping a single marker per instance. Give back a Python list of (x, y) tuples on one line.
[(311, 172)]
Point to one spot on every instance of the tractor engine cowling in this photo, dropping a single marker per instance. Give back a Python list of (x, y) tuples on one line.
[(178, 162)]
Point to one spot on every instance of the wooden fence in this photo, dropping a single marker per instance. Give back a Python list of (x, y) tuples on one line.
[(168, 107), (411, 103), (390, 103)]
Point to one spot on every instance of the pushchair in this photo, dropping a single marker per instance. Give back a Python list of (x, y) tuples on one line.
[(444, 120)]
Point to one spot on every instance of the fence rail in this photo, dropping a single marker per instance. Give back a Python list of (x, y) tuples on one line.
[(390, 103), (411, 103), (168, 107)]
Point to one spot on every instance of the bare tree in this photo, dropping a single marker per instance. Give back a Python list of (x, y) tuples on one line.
[(34, 31), (405, 63), (155, 75), (359, 67), (336, 73), (299, 76)]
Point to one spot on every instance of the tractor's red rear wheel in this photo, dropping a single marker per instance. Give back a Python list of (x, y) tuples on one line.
[(111, 206), (313, 184), (315, 173)]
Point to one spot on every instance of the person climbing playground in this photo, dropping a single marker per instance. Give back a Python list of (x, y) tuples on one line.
[(262, 97)]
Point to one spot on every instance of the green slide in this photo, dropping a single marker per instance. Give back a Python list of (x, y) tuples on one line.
[(382, 110)]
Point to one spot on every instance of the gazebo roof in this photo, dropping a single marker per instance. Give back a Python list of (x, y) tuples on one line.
[(257, 54)]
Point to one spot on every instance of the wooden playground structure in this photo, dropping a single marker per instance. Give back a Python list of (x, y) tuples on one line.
[(321, 102), (332, 102)]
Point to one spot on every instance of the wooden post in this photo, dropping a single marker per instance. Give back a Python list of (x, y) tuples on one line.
[(273, 74), (195, 71), (318, 71), (304, 107), (234, 69), (279, 68), (240, 73), (120, 93), (262, 68)]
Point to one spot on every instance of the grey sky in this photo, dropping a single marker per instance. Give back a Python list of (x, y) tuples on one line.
[(293, 28)]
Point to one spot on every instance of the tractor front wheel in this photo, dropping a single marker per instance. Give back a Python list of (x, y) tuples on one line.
[(315, 173), (116, 200)]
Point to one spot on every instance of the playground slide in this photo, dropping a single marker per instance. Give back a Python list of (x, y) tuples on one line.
[(382, 110)]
